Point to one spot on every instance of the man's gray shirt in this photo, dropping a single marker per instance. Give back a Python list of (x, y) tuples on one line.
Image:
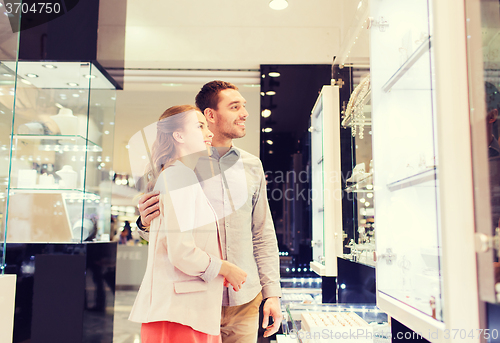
[(235, 185)]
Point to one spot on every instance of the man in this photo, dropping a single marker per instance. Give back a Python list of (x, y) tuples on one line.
[(246, 230)]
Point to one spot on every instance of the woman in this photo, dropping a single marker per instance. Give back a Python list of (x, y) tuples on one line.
[(180, 297)]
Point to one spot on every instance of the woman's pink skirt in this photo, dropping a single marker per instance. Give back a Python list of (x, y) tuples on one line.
[(170, 332)]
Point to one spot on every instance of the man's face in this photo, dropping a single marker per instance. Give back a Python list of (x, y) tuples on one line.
[(231, 114)]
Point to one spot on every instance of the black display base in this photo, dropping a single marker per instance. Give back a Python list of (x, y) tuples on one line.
[(356, 283), (64, 292), (401, 333)]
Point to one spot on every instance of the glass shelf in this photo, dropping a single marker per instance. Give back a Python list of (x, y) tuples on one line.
[(419, 52), (68, 194), (425, 176), (64, 142), (361, 186)]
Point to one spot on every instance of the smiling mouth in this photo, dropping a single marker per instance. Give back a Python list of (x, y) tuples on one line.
[(208, 142), (241, 124)]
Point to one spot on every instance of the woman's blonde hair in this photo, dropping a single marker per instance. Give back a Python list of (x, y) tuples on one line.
[(164, 149)]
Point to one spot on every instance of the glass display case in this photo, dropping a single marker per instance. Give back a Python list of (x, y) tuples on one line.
[(409, 263), (326, 182), (335, 322), (359, 243), (8, 54), (60, 147)]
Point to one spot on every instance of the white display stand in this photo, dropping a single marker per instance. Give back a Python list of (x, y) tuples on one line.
[(7, 302), (326, 182)]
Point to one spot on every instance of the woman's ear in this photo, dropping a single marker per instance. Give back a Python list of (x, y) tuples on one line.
[(209, 115), (178, 137)]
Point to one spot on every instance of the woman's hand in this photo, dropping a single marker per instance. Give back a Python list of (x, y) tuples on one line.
[(233, 275), (149, 207)]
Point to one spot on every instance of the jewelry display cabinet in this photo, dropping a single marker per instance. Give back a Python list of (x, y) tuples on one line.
[(326, 182), (425, 265), (61, 156), (58, 172), (335, 322), (8, 53), (359, 243)]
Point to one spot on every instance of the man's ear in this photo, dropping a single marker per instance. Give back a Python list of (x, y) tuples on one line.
[(178, 137), (492, 116), (209, 115)]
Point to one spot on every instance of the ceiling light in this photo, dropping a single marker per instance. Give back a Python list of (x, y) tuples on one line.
[(278, 4), (172, 84), (270, 93), (274, 74), (31, 75), (270, 152), (72, 84), (267, 129), (76, 95), (49, 66), (7, 75), (270, 142), (262, 93), (90, 76), (251, 85), (266, 113)]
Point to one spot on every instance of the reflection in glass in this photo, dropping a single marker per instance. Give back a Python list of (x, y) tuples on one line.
[(484, 75)]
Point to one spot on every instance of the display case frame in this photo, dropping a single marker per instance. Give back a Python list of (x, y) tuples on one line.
[(454, 210), (326, 182)]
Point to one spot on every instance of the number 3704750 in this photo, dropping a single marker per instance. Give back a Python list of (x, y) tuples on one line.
[(463, 334), (40, 7)]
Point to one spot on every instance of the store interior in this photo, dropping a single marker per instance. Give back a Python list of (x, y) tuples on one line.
[(334, 89)]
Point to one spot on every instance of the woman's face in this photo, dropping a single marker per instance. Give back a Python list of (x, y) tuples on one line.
[(197, 136)]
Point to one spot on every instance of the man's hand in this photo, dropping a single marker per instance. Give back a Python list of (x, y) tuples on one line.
[(149, 207), (271, 309)]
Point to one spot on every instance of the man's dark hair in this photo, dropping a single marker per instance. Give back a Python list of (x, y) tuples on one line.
[(208, 96)]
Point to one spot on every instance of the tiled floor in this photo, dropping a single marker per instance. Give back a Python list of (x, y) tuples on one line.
[(125, 331)]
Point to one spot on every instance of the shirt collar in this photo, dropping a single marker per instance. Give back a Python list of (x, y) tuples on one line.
[(233, 150)]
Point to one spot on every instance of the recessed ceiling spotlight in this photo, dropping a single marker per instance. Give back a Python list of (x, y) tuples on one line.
[(7, 75), (49, 66), (72, 84), (274, 74), (31, 75), (267, 129), (262, 93), (270, 142), (172, 84), (270, 93), (253, 85), (266, 113), (76, 95), (278, 4), (270, 152), (90, 76)]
